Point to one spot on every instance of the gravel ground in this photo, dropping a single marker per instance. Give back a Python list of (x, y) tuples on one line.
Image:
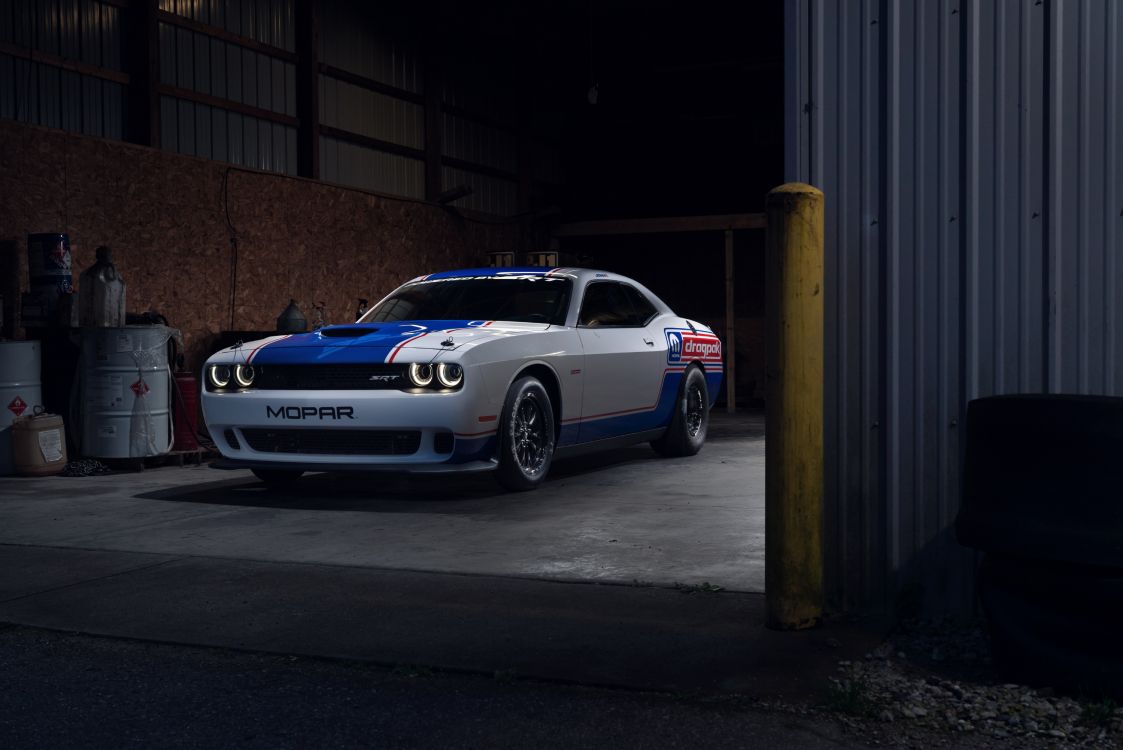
[(932, 684)]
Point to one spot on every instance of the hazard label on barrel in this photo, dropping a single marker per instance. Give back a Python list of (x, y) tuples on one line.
[(17, 406)]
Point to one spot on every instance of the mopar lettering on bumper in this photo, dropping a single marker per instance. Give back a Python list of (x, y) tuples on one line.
[(309, 412)]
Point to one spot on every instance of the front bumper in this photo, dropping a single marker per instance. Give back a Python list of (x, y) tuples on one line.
[(466, 414)]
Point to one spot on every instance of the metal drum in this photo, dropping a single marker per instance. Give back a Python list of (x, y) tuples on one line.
[(126, 387), (20, 391)]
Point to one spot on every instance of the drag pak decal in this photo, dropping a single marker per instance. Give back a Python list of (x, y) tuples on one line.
[(692, 346)]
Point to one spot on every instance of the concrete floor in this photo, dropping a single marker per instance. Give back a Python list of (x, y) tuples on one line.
[(623, 516)]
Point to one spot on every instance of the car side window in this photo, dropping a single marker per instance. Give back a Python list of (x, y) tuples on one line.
[(642, 308), (608, 303)]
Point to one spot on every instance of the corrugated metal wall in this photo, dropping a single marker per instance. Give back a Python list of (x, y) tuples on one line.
[(969, 153), (352, 40), (227, 91), (43, 94), (196, 61), (370, 169)]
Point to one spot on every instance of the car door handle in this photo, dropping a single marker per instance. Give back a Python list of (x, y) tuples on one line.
[(648, 341)]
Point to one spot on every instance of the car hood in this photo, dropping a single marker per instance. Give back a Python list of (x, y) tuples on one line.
[(365, 342)]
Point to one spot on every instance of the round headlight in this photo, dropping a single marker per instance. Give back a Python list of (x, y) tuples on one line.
[(219, 375), (421, 375), (450, 375), (243, 375)]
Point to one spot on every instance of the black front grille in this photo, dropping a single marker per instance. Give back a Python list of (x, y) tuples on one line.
[(333, 442), (330, 377)]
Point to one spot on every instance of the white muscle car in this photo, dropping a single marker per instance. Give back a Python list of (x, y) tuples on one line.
[(490, 369)]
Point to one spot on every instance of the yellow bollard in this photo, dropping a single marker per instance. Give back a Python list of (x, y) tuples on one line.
[(793, 558)]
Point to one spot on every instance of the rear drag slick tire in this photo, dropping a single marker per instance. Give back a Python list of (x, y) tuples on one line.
[(687, 432)]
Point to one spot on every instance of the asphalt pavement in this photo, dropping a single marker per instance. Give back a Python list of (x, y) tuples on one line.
[(66, 690)]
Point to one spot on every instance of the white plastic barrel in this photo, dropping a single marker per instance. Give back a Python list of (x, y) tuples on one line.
[(20, 391), (126, 392)]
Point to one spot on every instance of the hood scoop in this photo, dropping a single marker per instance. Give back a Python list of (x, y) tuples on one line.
[(346, 332)]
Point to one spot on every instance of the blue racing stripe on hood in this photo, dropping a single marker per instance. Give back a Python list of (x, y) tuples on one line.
[(360, 343)]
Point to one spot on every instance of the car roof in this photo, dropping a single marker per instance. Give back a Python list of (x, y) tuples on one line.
[(523, 271), (578, 275)]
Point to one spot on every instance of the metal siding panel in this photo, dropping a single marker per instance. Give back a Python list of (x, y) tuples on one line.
[(233, 15), (290, 151), (186, 127), (169, 132), (114, 109), (93, 123), (168, 66), (261, 29), (111, 36), (250, 155), (290, 89), (264, 85), (277, 81), (7, 23), (71, 86), (1083, 129), (202, 60), (185, 63), (1064, 241), (249, 77), (1113, 197), (69, 44), (280, 148), (234, 73), (7, 93), (1091, 217), (264, 144), (50, 107), (203, 131), (234, 138), (218, 67), (220, 149), (247, 26), (329, 159)]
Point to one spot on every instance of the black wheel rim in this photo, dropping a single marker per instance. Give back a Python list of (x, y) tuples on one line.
[(529, 437), (695, 410)]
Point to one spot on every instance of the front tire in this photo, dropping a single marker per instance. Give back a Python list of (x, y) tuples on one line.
[(687, 431), (526, 436), (277, 478)]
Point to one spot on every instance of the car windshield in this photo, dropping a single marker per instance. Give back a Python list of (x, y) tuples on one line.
[(528, 299)]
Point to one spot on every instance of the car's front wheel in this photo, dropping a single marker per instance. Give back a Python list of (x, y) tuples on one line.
[(687, 431), (277, 478), (526, 436)]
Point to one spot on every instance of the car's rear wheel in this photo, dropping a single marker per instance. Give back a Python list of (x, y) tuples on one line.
[(526, 436), (687, 431), (277, 478)]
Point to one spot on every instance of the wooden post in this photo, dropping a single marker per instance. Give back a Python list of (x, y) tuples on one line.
[(793, 558), (308, 88), (730, 330)]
